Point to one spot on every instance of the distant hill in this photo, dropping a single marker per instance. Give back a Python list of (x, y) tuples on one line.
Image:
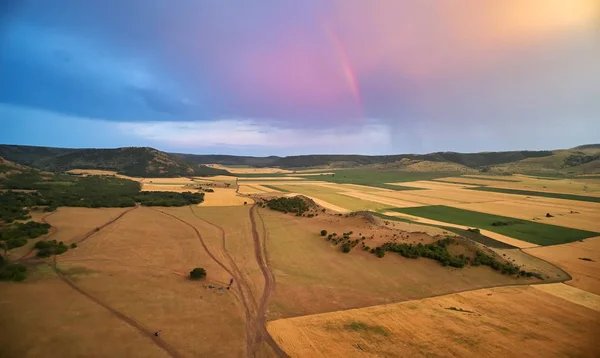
[(149, 162), (132, 161), (471, 160)]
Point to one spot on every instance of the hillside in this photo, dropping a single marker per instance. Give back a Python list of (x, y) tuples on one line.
[(132, 161), (471, 160), (570, 161)]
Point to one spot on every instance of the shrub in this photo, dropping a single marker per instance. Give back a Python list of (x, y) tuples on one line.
[(12, 272), (51, 247), (323, 232), (346, 248), (197, 273)]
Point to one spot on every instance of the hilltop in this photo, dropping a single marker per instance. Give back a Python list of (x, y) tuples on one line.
[(132, 161)]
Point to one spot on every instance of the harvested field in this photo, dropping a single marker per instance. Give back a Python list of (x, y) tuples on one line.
[(322, 203), (586, 274), (429, 184), (332, 196), (438, 327), (314, 276), (572, 294), (250, 189), (249, 170), (170, 188), (102, 172), (379, 197), (593, 199), (250, 179), (225, 197)]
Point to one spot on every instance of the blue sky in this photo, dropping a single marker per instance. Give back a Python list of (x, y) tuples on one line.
[(289, 77)]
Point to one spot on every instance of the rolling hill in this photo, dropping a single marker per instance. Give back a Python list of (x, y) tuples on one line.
[(132, 161), (147, 162)]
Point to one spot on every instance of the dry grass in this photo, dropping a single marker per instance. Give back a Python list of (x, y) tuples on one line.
[(225, 197), (236, 170), (572, 294), (314, 276), (546, 326), (428, 184), (139, 266), (171, 188), (102, 172), (586, 274), (379, 197)]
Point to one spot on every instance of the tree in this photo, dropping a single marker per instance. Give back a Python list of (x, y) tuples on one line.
[(197, 273), (346, 248), (323, 232)]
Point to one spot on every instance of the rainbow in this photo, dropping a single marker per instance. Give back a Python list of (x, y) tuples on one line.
[(345, 64)]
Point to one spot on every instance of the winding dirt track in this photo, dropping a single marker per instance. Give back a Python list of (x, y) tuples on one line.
[(129, 320), (122, 316), (269, 278)]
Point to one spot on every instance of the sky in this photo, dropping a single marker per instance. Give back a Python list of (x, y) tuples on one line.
[(287, 77)]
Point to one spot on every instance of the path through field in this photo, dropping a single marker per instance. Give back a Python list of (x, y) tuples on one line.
[(254, 308), (122, 316)]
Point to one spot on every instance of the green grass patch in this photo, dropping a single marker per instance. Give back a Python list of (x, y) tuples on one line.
[(537, 233), (592, 199), (363, 327), (261, 175), (276, 188)]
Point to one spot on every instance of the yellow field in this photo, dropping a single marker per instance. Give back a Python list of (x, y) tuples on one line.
[(166, 187), (379, 197), (320, 278), (235, 170), (499, 322), (428, 184), (586, 274), (224, 197), (333, 197)]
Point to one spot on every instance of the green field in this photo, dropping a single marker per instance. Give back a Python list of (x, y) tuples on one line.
[(592, 199), (537, 233)]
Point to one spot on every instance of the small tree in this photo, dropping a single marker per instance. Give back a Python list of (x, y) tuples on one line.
[(346, 248), (198, 273), (323, 232)]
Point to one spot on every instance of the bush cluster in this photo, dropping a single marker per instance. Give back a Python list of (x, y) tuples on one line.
[(12, 272), (49, 248), (347, 243), (288, 205), (16, 235)]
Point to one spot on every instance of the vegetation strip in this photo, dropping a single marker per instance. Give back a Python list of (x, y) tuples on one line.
[(534, 232), (592, 199)]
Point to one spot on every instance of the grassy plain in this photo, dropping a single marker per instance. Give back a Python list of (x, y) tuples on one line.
[(537, 233), (476, 323)]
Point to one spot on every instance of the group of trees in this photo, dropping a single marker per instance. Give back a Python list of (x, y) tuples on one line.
[(347, 242), (91, 191), (288, 205), (439, 251), (12, 271), (17, 234), (51, 247)]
